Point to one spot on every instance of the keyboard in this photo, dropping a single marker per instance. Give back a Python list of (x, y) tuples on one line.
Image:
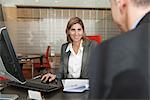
[(36, 84)]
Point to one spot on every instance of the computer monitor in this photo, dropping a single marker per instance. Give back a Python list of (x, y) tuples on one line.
[(9, 64)]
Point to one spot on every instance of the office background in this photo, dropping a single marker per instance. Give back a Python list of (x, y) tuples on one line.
[(34, 24)]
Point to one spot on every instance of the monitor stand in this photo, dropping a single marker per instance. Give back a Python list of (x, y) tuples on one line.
[(7, 96)]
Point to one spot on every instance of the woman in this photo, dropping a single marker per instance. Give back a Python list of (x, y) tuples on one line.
[(74, 54)]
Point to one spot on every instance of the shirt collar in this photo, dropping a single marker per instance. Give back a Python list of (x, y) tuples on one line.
[(136, 23), (69, 47)]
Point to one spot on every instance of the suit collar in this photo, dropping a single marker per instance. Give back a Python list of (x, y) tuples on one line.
[(85, 44), (70, 48)]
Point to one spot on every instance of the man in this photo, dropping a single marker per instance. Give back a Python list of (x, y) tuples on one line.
[(121, 69)]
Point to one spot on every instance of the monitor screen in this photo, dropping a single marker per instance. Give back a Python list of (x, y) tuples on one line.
[(9, 64)]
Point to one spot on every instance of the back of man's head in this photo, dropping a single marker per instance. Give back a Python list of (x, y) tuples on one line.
[(141, 2)]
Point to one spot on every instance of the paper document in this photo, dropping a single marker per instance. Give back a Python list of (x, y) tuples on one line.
[(75, 85)]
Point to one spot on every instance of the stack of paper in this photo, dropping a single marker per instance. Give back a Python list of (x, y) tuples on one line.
[(75, 85)]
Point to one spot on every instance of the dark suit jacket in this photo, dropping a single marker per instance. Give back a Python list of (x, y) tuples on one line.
[(88, 45), (120, 66)]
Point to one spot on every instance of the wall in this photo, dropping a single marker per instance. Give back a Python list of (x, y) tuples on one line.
[(60, 3), (39, 27), (10, 16), (32, 29)]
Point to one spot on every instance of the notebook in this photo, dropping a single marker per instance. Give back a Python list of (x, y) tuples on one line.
[(75, 85)]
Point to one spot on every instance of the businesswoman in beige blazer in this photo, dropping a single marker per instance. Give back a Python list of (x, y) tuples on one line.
[(75, 53)]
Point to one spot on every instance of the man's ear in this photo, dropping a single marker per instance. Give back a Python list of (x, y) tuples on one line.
[(122, 4)]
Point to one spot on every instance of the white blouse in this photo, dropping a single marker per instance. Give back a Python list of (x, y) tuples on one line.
[(75, 61)]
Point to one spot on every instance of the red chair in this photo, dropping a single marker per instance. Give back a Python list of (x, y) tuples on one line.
[(2, 78), (44, 61), (97, 38)]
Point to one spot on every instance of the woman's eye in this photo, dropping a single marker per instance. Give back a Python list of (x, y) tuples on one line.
[(79, 29), (76, 29), (72, 29)]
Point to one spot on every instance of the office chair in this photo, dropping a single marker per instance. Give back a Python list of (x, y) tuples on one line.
[(97, 38), (2, 78), (44, 62)]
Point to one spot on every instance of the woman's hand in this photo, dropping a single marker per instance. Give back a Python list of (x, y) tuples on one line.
[(48, 77)]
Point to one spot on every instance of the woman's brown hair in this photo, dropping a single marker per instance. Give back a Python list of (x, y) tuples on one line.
[(72, 21)]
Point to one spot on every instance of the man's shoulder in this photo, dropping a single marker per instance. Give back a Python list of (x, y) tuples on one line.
[(137, 34), (124, 38)]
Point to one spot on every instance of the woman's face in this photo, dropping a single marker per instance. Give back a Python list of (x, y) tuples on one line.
[(76, 32)]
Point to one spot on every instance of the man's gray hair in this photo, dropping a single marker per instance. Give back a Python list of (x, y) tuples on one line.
[(141, 2)]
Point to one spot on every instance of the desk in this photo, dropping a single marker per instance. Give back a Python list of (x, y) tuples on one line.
[(31, 57), (56, 95)]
